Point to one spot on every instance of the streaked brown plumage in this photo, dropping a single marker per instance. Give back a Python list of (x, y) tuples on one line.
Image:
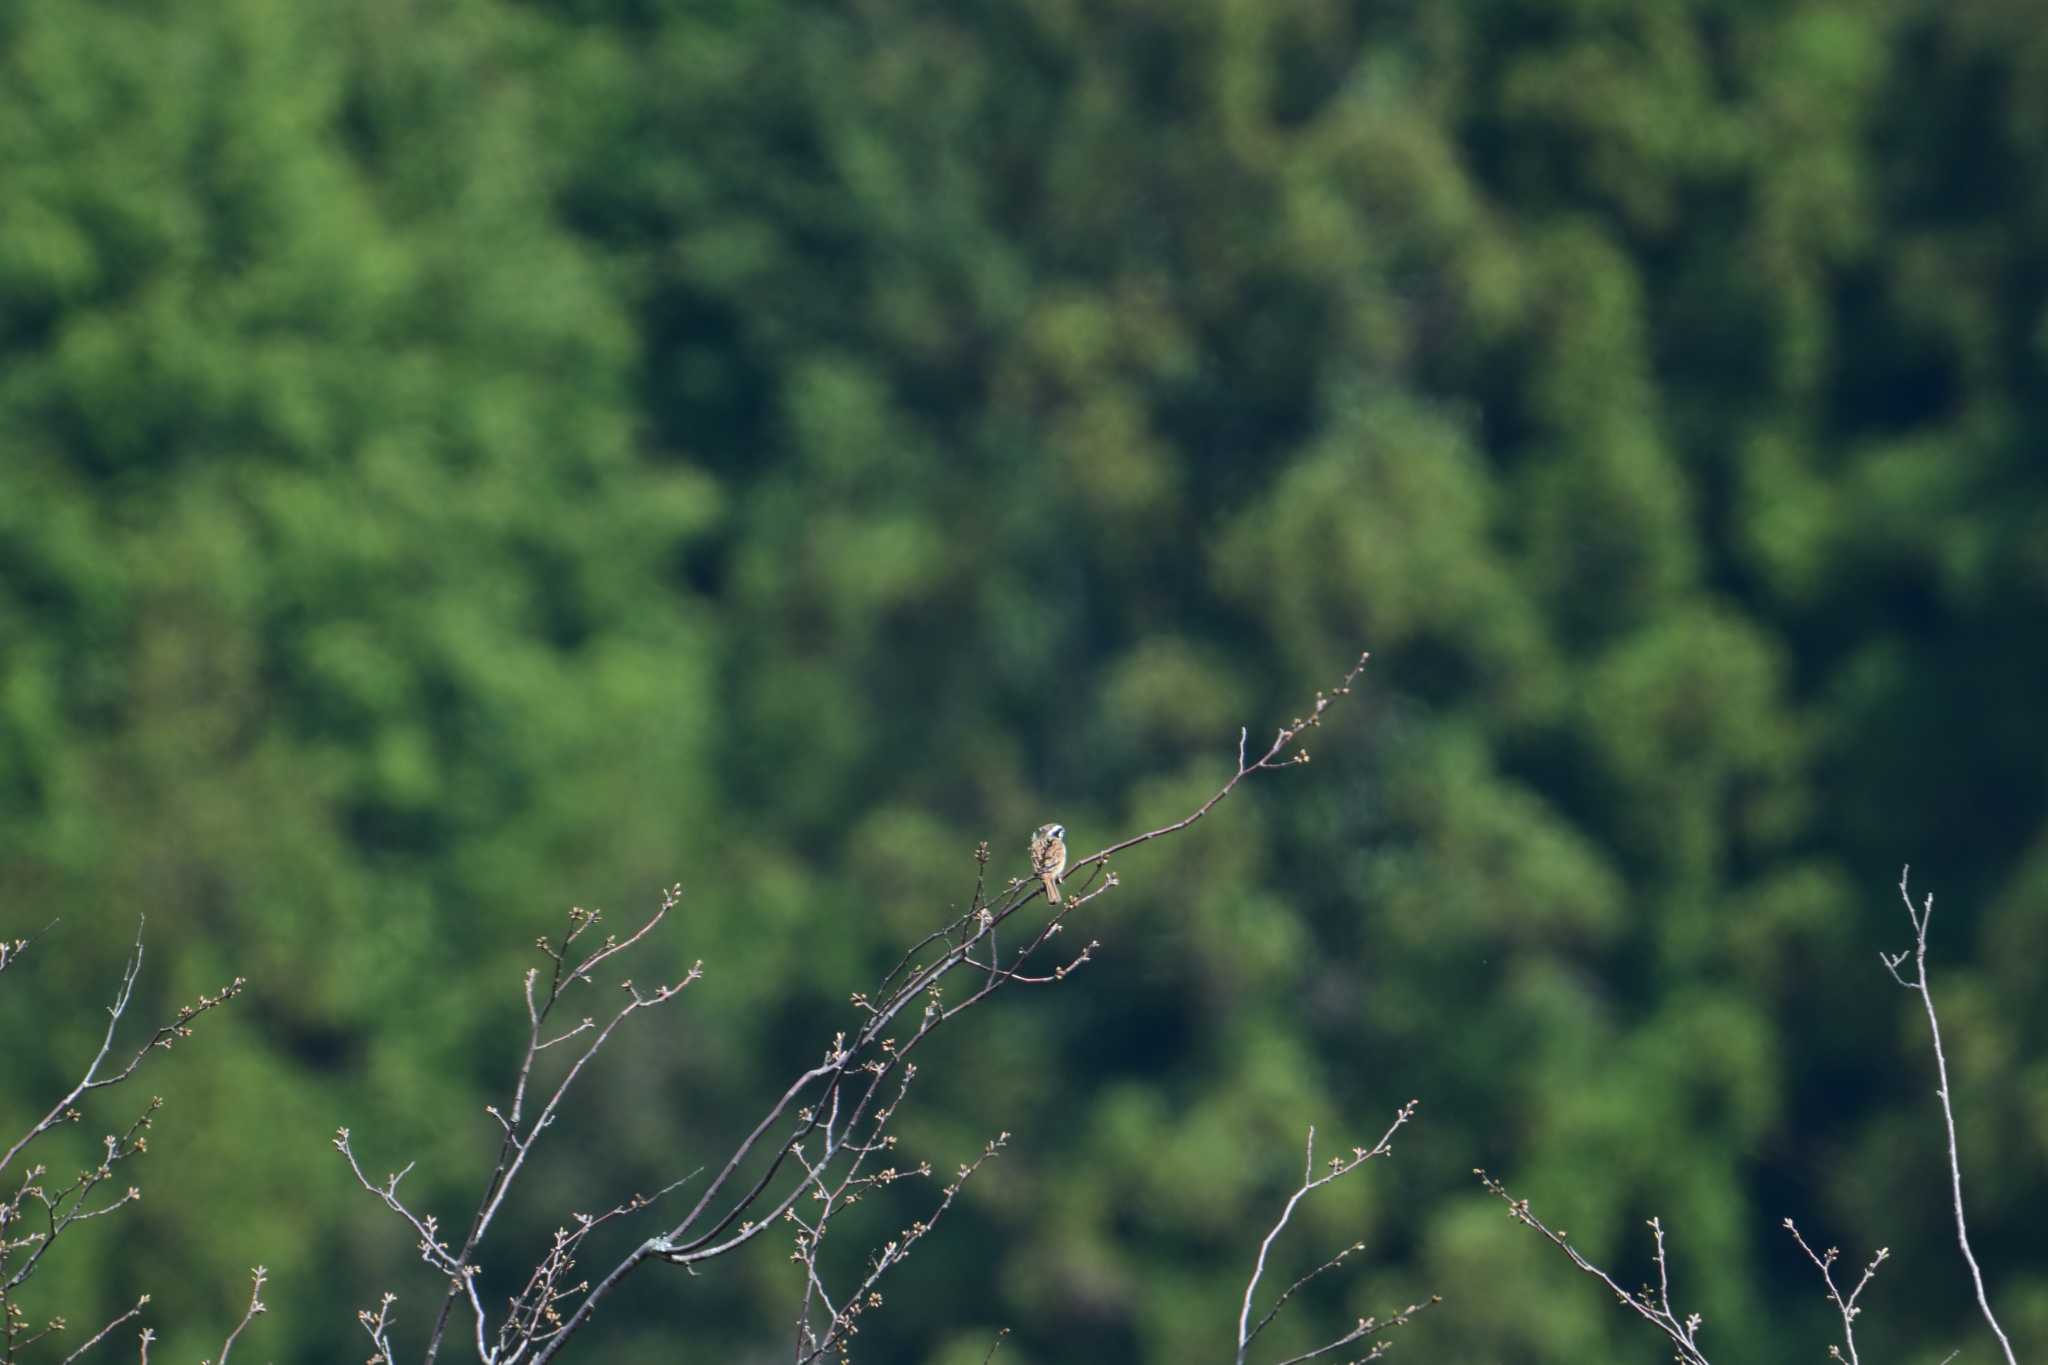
[(1049, 858)]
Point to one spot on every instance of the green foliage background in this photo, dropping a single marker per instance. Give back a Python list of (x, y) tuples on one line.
[(459, 460)]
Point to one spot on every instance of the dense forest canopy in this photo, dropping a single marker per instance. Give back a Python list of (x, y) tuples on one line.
[(459, 461)]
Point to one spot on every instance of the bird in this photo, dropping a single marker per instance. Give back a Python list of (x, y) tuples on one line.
[(1049, 858)]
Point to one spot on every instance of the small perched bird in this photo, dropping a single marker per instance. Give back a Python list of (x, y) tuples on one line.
[(1049, 858)]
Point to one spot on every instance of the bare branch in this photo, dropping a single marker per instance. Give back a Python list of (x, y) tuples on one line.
[(1265, 762), (67, 1206), (378, 1326), (1920, 916), (1339, 1168), (11, 949), (519, 1133), (101, 1335), (257, 1277), (1365, 1327), (1652, 1306), (1825, 1263), (95, 1078), (513, 1150)]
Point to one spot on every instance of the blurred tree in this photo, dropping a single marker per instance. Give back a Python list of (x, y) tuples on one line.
[(336, 590), (465, 459)]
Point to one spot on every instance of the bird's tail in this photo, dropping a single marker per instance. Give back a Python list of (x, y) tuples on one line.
[(1052, 891)]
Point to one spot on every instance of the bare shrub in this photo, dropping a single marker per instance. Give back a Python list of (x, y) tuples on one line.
[(36, 1213)]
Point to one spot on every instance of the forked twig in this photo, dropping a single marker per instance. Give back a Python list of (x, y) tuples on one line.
[(1338, 1168), (1825, 1263)]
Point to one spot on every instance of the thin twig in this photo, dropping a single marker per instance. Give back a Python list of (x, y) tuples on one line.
[(1339, 1259), (1365, 1327), (1287, 735), (1892, 963), (257, 1277), (11, 949), (101, 1335)]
